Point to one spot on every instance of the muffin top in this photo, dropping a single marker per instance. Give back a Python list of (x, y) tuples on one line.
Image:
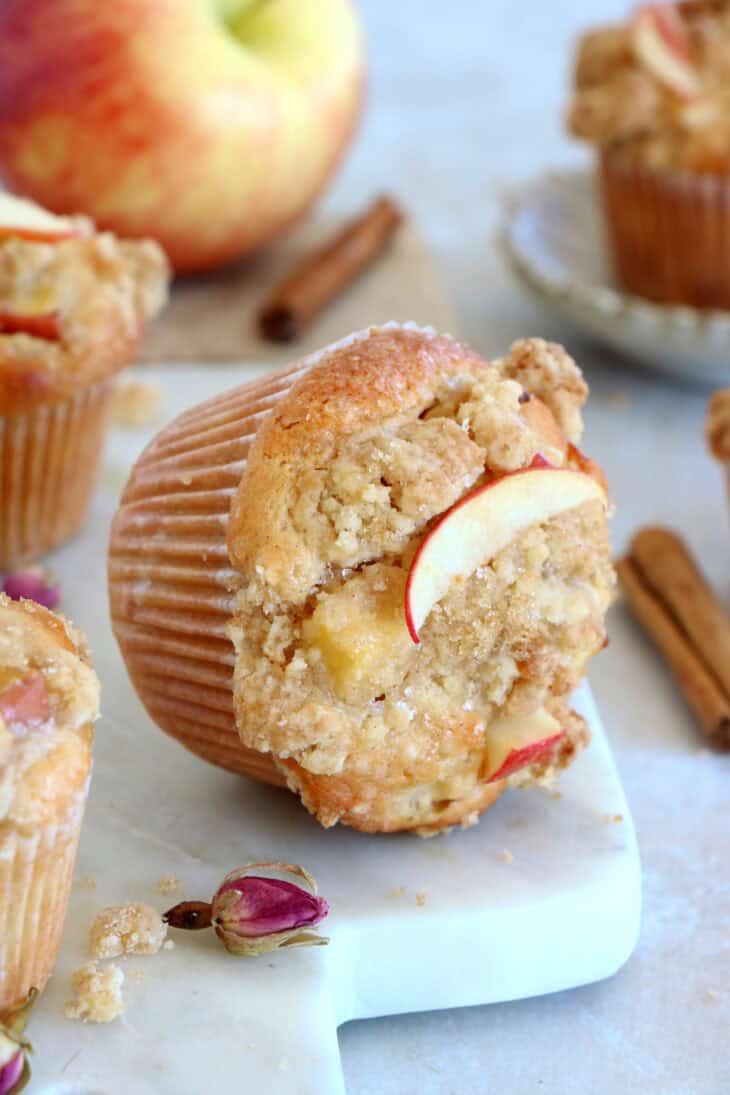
[(73, 303), (379, 437), (717, 425), (656, 89), (49, 698)]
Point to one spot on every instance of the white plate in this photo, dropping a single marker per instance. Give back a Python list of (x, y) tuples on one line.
[(553, 236), (563, 912)]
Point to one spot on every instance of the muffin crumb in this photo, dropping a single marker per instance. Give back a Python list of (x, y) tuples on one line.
[(98, 994), (398, 892), (86, 882), (127, 929), (169, 883), (136, 403), (506, 855), (421, 898)]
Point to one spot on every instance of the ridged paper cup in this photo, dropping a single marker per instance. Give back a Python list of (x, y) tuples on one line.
[(49, 464), (669, 232), (170, 580), (36, 872)]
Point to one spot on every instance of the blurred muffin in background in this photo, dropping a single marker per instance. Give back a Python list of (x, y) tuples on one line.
[(49, 699), (73, 303), (653, 95)]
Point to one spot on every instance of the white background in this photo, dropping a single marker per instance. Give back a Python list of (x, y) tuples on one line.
[(466, 98)]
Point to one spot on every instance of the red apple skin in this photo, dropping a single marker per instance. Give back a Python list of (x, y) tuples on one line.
[(522, 758), (10, 232), (25, 701), (538, 462), (46, 325), (669, 26), (152, 118), (578, 459)]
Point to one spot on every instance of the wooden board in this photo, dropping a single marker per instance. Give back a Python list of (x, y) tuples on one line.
[(213, 318)]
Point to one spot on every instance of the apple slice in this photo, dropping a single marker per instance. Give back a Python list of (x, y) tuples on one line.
[(660, 43), (484, 522), (45, 325), (19, 217), (517, 742), (23, 698)]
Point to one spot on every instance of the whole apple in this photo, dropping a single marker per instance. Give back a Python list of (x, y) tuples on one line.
[(209, 125)]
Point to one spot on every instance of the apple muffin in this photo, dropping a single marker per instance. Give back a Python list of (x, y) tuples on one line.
[(653, 96), (410, 557), (49, 697), (73, 303)]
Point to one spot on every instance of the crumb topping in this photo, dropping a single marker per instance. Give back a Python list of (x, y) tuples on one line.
[(101, 289), (98, 994), (136, 403), (127, 929), (622, 100), (169, 883)]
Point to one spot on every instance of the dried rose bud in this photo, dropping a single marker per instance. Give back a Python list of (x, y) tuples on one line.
[(14, 1067), (252, 914), (33, 584)]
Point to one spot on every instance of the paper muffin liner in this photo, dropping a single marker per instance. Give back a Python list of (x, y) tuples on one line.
[(36, 871), (49, 462), (669, 233), (170, 580)]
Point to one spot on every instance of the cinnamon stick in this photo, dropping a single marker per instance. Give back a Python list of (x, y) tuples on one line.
[(674, 604), (672, 573), (324, 275)]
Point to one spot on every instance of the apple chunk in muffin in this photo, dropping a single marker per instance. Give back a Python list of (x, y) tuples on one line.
[(359, 632)]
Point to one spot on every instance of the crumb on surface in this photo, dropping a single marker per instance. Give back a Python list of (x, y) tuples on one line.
[(127, 929), (712, 994), (98, 994), (421, 898), (613, 818), (398, 891), (136, 403), (506, 855), (168, 945), (169, 883), (85, 882)]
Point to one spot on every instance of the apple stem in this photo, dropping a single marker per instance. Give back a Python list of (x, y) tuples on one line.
[(234, 12)]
